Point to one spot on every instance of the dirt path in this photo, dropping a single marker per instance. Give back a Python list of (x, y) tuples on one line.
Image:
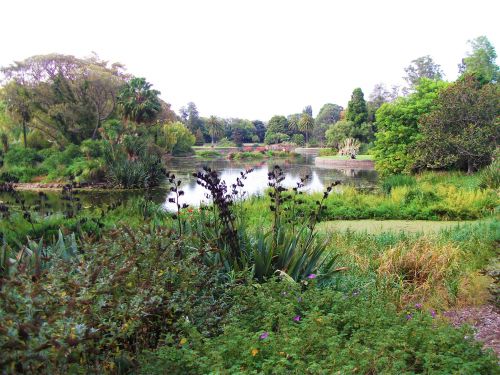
[(484, 319)]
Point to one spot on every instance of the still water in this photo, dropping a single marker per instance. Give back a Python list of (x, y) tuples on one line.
[(256, 183)]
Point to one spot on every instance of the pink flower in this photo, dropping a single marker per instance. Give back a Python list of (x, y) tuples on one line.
[(418, 306), (297, 318), (265, 335), (311, 276)]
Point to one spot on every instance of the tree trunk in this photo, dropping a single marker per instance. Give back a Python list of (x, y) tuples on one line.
[(94, 135), (24, 134), (470, 167)]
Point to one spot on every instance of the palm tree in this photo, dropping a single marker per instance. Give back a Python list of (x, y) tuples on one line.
[(306, 124), (138, 102), (215, 127)]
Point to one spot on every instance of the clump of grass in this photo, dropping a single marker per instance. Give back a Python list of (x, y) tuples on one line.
[(489, 177), (422, 271)]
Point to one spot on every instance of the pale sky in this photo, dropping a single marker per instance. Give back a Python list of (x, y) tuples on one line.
[(252, 59)]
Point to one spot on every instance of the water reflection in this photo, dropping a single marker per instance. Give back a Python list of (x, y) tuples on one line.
[(256, 182)]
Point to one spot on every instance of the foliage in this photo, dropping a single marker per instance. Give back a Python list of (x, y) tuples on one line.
[(423, 67), (398, 129), (273, 138), (64, 97), (306, 125), (139, 102), (134, 164), (339, 131), (37, 140), (136, 275), (461, 132), (328, 114), (357, 111), (21, 157), (490, 176), (179, 139), (350, 147), (298, 139), (481, 60), (328, 152), (397, 180), (281, 328), (215, 127), (208, 154), (277, 124)]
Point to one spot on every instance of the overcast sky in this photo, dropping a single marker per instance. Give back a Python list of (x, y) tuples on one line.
[(252, 59)]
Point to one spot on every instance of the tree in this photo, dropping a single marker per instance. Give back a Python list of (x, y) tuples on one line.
[(306, 125), (139, 102), (308, 110), (191, 117), (398, 128), (260, 129), (68, 97), (481, 60), (215, 128), (240, 130), (17, 102), (293, 123), (179, 140), (328, 114), (423, 67), (277, 124), (462, 131), (339, 132), (357, 111), (378, 96)]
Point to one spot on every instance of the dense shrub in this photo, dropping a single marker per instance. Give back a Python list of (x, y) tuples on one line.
[(280, 328), (103, 305), (21, 157), (8, 177)]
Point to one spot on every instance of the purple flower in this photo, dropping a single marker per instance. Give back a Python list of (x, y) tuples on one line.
[(312, 276), (296, 318), (418, 306), (265, 335), (432, 312), (409, 316)]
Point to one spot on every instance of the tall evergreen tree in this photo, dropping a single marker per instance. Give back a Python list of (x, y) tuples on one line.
[(357, 111)]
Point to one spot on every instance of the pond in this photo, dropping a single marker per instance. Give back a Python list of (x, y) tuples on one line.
[(256, 183)]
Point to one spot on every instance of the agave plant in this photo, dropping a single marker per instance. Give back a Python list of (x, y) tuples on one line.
[(350, 146), (35, 258)]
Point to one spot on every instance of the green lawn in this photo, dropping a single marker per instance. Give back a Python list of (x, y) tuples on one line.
[(380, 226), (344, 157)]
